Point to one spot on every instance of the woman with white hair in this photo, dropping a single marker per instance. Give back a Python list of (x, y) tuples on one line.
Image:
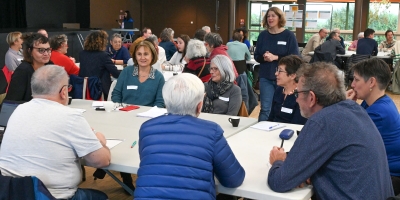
[(165, 171), (222, 96), (197, 61)]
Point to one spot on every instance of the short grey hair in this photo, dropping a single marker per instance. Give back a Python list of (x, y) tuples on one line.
[(360, 35), (166, 34), (225, 67), (195, 49), (182, 93), (47, 80), (153, 38), (213, 39), (206, 28), (116, 35), (325, 80), (337, 30)]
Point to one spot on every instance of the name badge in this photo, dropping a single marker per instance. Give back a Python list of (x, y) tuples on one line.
[(224, 98), (131, 87), (286, 110), (281, 43)]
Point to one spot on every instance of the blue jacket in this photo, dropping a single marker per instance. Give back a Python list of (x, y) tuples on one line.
[(169, 48), (179, 156)]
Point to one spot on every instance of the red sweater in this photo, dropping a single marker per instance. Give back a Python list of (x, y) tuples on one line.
[(63, 61), (221, 50)]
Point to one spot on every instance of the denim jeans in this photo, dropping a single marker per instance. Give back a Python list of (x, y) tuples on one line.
[(88, 194), (267, 90)]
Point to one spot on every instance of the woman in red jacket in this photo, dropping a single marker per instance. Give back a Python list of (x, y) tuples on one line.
[(59, 45)]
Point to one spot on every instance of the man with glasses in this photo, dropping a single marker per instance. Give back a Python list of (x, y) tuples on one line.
[(316, 40), (339, 148), (46, 139)]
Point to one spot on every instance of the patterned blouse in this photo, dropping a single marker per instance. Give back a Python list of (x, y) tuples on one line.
[(385, 44)]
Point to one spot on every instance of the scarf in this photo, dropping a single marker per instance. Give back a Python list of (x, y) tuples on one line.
[(213, 91)]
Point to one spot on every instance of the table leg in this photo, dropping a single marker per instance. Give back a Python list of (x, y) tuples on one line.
[(119, 182)]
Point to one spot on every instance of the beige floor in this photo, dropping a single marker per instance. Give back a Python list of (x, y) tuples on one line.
[(115, 191)]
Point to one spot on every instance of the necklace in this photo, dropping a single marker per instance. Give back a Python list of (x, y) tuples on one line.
[(283, 91)]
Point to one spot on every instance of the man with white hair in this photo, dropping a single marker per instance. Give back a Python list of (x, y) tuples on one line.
[(46, 139), (316, 40), (179, 153), (353, 45), (43, 32), (207, 29)]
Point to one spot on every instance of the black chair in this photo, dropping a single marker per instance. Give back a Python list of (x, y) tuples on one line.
[(354, 59), (254, 42), (7, 109), (300, 44), (240, 66), (321, 57)]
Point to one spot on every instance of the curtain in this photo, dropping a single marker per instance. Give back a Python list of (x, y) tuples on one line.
[(13, 14)]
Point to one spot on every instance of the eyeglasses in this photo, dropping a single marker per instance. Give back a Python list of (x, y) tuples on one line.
[(69, 88), (42, 50), (213, 69), (279, 71), (296, 92)]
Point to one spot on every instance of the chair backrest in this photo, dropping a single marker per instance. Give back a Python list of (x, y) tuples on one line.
[(111, 90), (301, 44), (7, 109), (86, 88), (240, 66), (321, 56), (254, 42)]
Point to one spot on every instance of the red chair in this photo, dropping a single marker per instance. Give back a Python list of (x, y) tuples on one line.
[(7, 74)]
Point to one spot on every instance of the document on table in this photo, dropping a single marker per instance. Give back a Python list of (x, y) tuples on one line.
[(153, 112), (268, 126), (113, 142), (97, 104)]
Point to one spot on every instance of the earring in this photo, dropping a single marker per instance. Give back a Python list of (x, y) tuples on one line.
[(370, 89)]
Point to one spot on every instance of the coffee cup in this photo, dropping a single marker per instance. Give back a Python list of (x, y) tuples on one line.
[(69, 100), (108, 106), (234, 121)]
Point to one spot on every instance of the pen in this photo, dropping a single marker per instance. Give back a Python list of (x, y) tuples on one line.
[(274, 126), (133, 144), (282, 143)]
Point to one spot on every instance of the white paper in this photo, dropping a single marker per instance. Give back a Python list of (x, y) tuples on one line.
[(113, 142), (311, 14), (324, 14), (153, 112), (299, 14), (288, 14), (298, 23), (119, 67), (311, 24), (80, 110), (268, 126), (97, 104), (289, 23)]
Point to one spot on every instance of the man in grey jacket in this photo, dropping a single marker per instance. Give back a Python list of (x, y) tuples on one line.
[(333, 47)]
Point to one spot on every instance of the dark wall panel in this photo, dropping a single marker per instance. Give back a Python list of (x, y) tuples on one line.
[(50, 13)]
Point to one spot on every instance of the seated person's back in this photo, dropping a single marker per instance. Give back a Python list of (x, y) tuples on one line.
[(367, 45), (46, 139), (165, 171)]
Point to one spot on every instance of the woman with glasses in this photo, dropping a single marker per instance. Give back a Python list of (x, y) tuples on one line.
[(273, 44), (94, 61), (36, 51), (371, 78), (177, 61), (59, 45), (119, 54), (14, 56), (284, 106), (388, 44), (222, 95)]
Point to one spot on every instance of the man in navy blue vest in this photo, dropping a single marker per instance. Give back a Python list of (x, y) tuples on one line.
[(367, 45)]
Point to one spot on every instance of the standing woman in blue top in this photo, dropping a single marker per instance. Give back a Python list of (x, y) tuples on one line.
[(273, 44), (371, 77), (284, 106), (127, 18), (119, 54), (140, 84)]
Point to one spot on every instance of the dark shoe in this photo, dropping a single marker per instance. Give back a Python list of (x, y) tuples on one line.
[(127, 180)]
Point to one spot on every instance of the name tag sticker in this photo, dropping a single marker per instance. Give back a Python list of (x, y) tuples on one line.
[(131, 87), (224, 98), (286, 110), (281, 43)]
